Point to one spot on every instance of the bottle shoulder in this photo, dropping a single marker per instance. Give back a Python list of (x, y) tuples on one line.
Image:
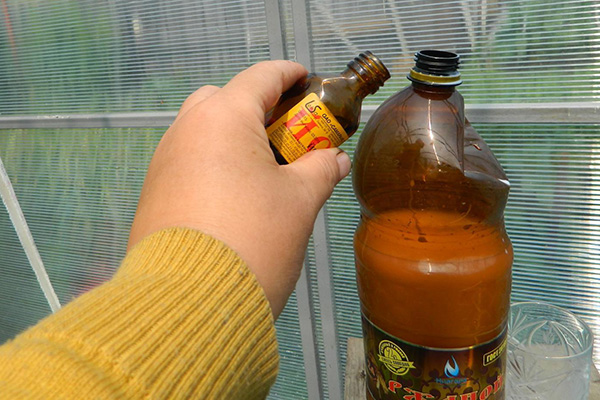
[(411, 99), (336, 92)]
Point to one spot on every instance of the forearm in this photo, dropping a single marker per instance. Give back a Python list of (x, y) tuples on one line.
[(182, 318)]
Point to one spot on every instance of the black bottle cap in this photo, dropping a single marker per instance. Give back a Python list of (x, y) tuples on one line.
[(436, 67)]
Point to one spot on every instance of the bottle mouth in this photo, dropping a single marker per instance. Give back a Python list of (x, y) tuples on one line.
[(436, 67), (370, 68)]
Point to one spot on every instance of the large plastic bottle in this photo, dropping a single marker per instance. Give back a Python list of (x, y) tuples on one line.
[(323, 111), (433, 259)]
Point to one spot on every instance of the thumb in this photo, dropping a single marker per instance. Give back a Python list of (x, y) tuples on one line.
[(321, 170)]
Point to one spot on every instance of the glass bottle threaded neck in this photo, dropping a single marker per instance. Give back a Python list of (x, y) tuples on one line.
[(370, 69), (436, 67)]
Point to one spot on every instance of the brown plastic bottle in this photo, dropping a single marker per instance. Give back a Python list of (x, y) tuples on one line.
[(319, 112), (433, 259)]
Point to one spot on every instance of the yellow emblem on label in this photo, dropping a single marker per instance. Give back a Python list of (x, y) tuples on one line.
[(495, 354), (394, 358)]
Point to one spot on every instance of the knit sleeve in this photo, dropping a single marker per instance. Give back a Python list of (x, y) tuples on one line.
[(183, 318)]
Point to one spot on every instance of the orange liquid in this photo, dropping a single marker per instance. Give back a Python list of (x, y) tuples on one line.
[(434, 278)]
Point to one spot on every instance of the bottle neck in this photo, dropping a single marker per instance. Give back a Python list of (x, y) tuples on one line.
[(359, 85), (433, 91), (435, 67), (368, 72)]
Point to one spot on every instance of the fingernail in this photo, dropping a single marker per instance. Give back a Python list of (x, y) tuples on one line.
[(344, 163)]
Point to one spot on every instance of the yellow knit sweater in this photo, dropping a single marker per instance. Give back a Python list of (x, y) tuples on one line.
[(183, 318)]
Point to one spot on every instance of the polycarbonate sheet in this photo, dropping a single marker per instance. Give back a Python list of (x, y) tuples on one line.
[(22, 302), (77, 56), (553, 214), (511, 51), (78, 189), (291, 381)]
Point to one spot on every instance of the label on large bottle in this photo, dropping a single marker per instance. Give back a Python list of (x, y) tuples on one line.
[(307, 126), (400, 370)]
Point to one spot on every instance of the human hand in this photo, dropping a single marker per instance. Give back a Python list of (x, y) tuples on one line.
[(214, 171)]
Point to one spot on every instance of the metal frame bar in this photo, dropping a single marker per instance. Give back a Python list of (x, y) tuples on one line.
[(525, 113), (275, 32), (325, 288), (15, 213), (107, 120), (308, 334), (302, 38), (333, 371), (555, 113)]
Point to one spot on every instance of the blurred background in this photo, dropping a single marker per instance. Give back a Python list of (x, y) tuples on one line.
[(87, 88)]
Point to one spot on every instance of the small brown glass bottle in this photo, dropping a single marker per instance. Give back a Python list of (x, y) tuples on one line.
[(320, 112)]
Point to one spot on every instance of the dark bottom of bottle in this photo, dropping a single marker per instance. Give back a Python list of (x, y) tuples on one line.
[(278, 157)]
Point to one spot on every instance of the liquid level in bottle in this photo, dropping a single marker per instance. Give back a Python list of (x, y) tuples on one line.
[(433, 278)]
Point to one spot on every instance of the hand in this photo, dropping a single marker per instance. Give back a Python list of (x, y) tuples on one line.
[(213, 171)]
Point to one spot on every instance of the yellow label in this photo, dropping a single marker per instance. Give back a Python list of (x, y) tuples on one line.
[(307, 126)]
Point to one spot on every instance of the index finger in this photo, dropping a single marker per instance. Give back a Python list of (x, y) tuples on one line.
[(261, 85)]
